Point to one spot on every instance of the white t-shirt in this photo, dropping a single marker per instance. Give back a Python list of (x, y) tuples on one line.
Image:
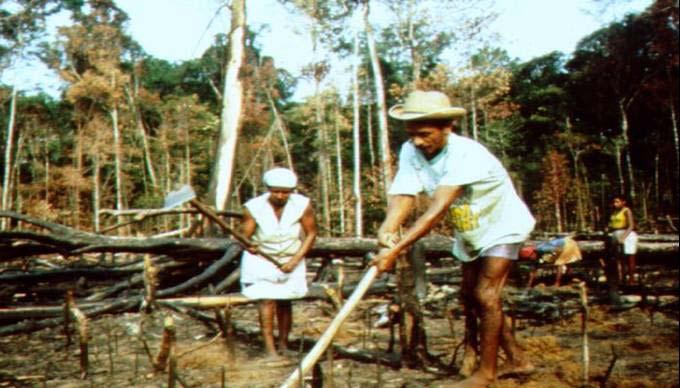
[(488, 213)]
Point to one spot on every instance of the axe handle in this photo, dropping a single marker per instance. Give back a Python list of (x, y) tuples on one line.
[(322, 343), (239, 237)]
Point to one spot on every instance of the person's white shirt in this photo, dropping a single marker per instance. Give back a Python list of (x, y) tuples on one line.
[(278, 237), (488, 213)]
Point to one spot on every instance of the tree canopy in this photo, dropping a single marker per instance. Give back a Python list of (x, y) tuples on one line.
[(572, 129)]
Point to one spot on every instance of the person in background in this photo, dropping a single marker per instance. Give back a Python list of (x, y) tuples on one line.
[(623, 240), (469, 185), (281, 224), (559, 252)]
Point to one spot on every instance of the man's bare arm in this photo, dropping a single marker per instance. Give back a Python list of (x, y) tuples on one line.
[(443, 197), (398, 209)]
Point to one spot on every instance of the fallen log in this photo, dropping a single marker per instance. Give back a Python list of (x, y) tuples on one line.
[(66, 274), (229, 256), (207, 302), (316, 292), (25, 326), (66, 241), (140, 213), (135, 280)]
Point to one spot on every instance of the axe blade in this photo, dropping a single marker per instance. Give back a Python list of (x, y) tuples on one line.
[(178, 197)]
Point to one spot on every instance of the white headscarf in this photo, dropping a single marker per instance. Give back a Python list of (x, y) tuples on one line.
[(280, 177)]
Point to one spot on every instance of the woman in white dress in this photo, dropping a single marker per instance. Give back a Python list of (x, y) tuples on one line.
[(281, 224)]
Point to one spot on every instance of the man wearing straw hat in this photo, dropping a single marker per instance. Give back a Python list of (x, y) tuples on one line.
[(469, 185), (281, 224)]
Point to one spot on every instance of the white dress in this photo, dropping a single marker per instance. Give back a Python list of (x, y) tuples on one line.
[(280, 238)]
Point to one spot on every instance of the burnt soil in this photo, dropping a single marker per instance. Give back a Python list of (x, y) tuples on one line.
[(633, 347)]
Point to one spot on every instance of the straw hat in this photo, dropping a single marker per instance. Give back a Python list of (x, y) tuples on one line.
[(422, 105)]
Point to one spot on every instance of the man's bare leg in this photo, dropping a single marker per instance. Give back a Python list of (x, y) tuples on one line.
[(284, 317), (470, 343), (516, 361), (492, 275), (267, 310)]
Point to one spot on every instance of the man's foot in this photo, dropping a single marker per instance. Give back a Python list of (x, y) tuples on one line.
[(517, 367), (474, 381)]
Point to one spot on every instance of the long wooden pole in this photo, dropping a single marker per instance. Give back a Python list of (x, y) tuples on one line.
[(239, 237), (326, 338)]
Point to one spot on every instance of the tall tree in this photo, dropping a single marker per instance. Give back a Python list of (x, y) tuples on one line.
[(484, 80), (90, 56), (555, 184), (232, 107), (615, 63), (22, 23), (384, 152), (356, 128), (319, 14), (665, 18)]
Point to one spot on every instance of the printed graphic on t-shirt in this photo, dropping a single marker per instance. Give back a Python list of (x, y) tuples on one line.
[(464, 217)]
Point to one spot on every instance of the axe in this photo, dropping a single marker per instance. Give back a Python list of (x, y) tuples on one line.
[(186, 194)]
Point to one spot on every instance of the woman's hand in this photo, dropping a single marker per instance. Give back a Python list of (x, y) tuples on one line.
[(253, 248), (290, 266)]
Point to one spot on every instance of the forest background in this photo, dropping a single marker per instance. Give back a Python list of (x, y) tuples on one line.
[(573, 130)]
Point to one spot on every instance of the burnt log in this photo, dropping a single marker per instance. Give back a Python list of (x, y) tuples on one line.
[(316, 292), (52, 238)]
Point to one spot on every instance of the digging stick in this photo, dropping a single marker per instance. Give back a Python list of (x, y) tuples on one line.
[(187, 194), (239, 237), (326, 338)]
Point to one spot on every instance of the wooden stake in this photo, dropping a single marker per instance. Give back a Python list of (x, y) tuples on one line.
[(67, 317), (167, 343), (109, 348), (150, 283), (330, 356), (223, 377), (81, 321), (584, 332), (610, 368), (378, 366), (172, 373), (82, 342), (341, 279), (229, 331)]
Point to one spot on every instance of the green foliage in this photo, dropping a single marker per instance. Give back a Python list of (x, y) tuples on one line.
[(554, 121)]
